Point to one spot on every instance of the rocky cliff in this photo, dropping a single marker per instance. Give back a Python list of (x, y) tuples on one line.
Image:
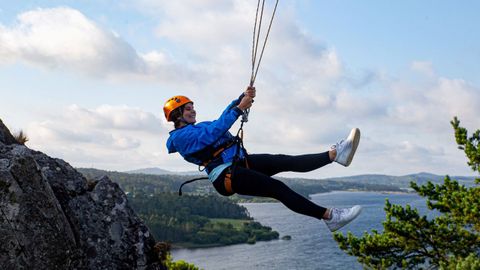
[(51, 217)]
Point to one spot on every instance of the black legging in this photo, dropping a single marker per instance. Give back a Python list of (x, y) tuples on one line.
[(257, 181)]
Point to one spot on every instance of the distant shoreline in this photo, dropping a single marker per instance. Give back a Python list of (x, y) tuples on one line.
[(375, 191), (372, 191), (184, 245), (270, 200)]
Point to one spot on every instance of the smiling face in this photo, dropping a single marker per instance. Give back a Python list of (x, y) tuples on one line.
[(189, 113)]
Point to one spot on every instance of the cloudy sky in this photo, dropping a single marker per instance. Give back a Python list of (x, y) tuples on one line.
[(87, 80)]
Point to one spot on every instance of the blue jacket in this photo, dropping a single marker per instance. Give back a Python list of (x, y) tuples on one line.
[(191, 139)]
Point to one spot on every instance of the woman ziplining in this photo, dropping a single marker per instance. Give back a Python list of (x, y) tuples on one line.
[(231, 169)]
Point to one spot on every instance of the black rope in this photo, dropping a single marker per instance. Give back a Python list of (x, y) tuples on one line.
[(189, 181)]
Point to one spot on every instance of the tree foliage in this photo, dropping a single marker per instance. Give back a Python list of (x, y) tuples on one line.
[(449, 240), (179, 265)]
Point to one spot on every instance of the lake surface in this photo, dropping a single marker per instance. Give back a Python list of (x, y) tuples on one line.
[(312, 245)]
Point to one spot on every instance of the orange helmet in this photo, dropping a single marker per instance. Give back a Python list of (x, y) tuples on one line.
[(174, 103)]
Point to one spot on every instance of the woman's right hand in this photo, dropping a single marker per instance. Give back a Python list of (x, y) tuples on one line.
[(245, 103), (251, 92), (247, 99)]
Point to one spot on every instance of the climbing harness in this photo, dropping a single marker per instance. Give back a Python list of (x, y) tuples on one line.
[(210, 156)]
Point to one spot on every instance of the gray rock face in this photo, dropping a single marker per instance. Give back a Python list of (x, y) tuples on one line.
[(5, 135), (51, 217)]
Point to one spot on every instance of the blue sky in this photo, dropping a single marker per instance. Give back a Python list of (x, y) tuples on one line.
[(87, 79)]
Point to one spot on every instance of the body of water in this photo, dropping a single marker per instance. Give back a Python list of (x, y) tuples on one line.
[(312, 245)]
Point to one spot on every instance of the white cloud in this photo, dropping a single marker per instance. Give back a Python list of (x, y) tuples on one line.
[(430, 106), (202, 24), (125, 142), (100, 135), (354, 105), (456, 97), (114, 117), (423, 67), (64, 38)]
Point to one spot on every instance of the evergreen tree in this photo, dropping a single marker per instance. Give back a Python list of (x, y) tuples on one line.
[(450, 240)]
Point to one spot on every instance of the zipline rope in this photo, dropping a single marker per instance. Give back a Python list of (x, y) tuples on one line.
[(256, 37)]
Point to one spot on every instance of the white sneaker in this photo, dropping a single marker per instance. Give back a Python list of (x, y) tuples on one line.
[(346, 148), (342, 216)]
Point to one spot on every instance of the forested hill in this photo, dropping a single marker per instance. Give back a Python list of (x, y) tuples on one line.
[(136, 182), (196, 219), (131, 182), (404, 180)]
